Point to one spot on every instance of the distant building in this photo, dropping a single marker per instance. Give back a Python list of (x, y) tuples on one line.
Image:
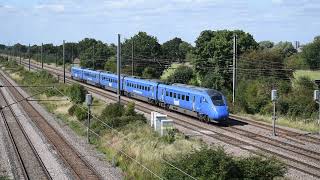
[(297, 46)]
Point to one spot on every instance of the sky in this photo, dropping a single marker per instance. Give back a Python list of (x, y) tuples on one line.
[(52, 21)]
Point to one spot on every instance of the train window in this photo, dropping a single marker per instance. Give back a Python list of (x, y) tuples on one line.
[(143, 88), (187, 98), (167, 94), (178, 96), (148, 88), (174, 95), (170, 94), (182, 97)]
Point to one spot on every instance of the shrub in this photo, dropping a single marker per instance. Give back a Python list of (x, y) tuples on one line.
[(216, 164), (130, 109), (81, 112), (72, 109), (171, 136), (203, 164), (116, 115), (77, 93), (259, 168), (112, 110), (300, 102)]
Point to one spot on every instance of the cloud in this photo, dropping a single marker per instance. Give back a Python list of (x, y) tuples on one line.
[(51, 7)]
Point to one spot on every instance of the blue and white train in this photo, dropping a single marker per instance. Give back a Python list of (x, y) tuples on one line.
[(205, 104)]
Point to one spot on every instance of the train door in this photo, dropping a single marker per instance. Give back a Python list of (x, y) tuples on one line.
[(193, 103), (162, 94)]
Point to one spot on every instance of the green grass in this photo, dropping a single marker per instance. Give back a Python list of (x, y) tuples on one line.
[(286, 121), (313, 75)]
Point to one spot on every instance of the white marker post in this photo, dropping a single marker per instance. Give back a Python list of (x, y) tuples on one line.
[(274, 97), (89, 103)]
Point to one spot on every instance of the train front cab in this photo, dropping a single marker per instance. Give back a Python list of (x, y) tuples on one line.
[(192, 102)]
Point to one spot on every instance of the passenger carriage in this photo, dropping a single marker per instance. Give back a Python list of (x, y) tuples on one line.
[(140, 89), (110, 81), (91, 77), (76, 73)]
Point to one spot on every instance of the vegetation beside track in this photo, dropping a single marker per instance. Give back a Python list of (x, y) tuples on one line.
[(131, 134)]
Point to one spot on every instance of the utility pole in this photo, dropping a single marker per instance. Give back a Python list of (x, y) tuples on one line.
[(20, 54), (132, 53), (41, 55), (118, 66), (93, 61), (64, 64), (29, 56), (72, 54), (56, 59), (234, 81)]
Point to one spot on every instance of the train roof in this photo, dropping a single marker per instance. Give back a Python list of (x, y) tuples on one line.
[(140, 80), (194, 89)]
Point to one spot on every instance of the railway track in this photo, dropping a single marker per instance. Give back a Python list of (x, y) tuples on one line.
[(30, 163), (80, 168), (289, 151), (280, 131)]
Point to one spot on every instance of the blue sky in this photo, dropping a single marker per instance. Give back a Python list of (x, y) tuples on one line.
[(51, 21)]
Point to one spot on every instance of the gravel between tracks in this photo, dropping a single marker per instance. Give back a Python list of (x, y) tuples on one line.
[(5, 149), (94, 158)]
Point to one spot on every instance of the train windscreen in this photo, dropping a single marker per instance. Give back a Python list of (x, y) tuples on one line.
[(217, 100)]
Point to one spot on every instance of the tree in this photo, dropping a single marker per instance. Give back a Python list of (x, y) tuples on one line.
[(214, 54), (175, 49), (145, 46), (263, 63), (286, 49), (311, 54), (150, 73), (146, 51), (266, 45), (295, 62), (94, 54), (183, 74), (111, 64)]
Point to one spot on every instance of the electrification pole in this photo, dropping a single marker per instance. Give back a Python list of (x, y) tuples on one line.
[(118, 66), (234, 81), (93, 61), (72, 53), (20, 54), (64, 63), (132, 54), (56, 59), (41, 55), (29, 56)]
